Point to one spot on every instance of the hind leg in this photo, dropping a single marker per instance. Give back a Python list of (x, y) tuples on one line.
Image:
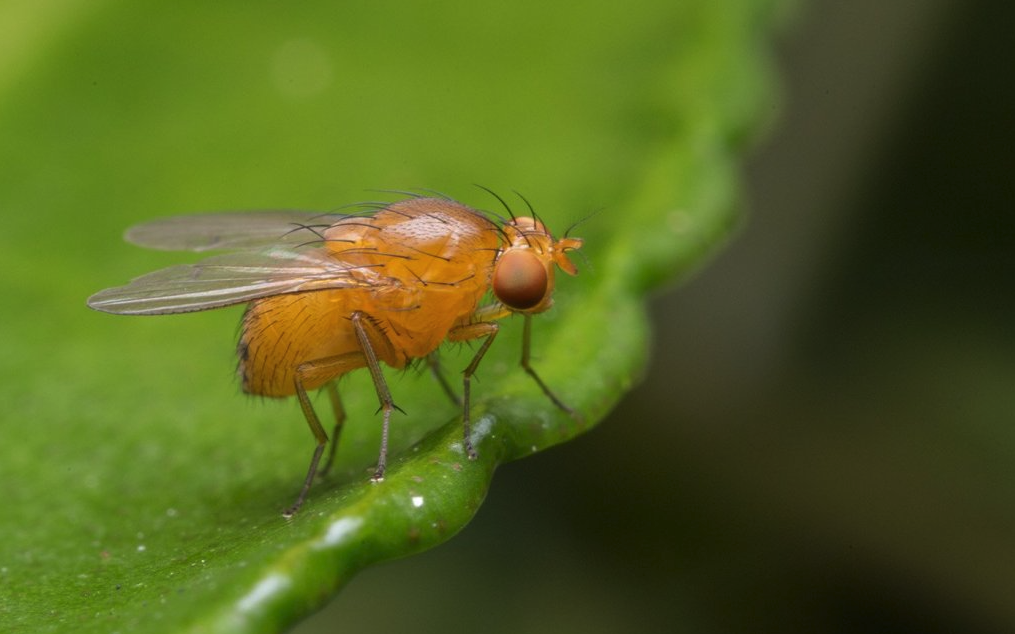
[(310, 372), (339, 411)]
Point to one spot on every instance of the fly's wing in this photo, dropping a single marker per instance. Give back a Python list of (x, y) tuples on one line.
[(236, 230), (233, 279)]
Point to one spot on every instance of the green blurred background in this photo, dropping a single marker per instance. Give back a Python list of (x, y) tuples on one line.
[(826, 438)]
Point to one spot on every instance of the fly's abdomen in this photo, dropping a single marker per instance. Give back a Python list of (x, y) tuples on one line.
[(280, 333)]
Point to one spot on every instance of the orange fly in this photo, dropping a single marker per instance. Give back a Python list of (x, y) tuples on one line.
[(331, 293)]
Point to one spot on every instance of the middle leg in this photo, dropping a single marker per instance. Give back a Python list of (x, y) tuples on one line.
[(464, 333)]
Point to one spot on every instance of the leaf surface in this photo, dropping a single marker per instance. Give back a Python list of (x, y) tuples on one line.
[(142, 491)]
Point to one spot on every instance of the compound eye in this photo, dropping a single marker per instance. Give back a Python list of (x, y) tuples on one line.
[(519, 281)]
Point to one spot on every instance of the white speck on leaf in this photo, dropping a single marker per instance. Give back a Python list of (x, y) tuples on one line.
[(339, 531)]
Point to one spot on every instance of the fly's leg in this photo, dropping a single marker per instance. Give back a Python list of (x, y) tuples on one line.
[(306, 372), (336, 406), (329, 368), (464, 333), (361, 325), (526, 343), (433, 362)]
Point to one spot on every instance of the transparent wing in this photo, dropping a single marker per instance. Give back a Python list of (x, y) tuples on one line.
[(236, 230), (233, 279)]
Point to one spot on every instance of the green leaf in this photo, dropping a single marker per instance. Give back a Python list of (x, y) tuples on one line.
[(142, 491)]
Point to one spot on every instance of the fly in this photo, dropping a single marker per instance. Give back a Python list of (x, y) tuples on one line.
[(327, 294)]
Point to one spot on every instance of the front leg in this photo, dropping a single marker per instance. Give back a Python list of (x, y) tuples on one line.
[(526, 340), (465, 333)]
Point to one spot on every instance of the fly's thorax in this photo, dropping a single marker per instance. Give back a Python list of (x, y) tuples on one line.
[(419, 241), (425, 264), (436, 227)]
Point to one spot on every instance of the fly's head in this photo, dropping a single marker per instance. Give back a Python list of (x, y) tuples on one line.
[(523, 273)]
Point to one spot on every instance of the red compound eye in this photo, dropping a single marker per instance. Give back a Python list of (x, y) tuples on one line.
[(519, 281)]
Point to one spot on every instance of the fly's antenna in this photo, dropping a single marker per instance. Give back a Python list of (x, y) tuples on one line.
[(586, 262), (501, 200), (583, 220)]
